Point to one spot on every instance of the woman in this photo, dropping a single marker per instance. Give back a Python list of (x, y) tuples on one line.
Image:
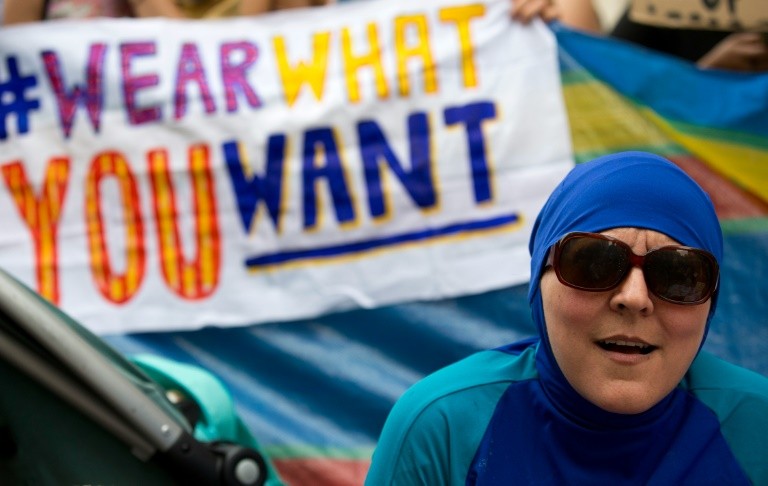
[(624, 283)]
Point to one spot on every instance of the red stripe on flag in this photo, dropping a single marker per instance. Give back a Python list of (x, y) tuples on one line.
[(322, 471), (731, 201)]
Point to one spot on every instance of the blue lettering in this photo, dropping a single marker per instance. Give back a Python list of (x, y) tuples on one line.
[(320, 146), (375, 151), (472, 117), (249, 190)]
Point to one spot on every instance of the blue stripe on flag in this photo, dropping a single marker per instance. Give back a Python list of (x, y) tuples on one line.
[(673, 87)]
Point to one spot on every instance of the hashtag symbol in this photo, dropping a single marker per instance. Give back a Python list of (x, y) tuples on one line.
[(14, 100)]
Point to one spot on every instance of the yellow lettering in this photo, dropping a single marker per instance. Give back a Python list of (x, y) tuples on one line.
[(461, 17), (42, 213), (114, 286), (312, 73), (353, 63), (420, 49), (194, 278)]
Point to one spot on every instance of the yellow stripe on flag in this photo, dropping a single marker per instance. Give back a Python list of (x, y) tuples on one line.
[(745, 165), (604, 121)]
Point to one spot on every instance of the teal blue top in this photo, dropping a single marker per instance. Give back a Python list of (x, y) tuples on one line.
[(509, 416), (437, 432)]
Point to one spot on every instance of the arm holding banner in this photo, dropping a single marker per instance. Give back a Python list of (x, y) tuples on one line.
[(580, 14), (17, 12), (526, 10)]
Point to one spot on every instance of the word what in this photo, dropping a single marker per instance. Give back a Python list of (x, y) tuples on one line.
[(231, 84)]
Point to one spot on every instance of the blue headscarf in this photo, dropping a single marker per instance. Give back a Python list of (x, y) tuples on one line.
[(627, 189)]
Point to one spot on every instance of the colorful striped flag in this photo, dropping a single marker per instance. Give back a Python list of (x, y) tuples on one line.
[(316, 392)]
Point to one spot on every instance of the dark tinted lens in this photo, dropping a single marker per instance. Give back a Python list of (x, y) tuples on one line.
[(592, 263), (679, 275)]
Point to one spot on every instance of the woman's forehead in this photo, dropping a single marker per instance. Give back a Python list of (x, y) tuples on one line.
[(640, 237)]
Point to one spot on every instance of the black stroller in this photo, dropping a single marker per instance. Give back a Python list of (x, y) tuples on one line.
[(74, 411)]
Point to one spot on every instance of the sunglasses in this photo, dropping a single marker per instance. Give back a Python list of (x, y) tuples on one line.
[(596, 263)]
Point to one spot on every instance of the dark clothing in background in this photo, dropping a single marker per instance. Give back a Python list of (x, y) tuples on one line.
[(690, 44)]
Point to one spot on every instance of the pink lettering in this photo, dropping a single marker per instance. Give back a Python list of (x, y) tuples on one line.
[(234, 73), (190, 69), (90, 95), (134, 83)]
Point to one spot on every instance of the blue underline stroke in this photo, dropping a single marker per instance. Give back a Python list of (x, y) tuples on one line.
[(377, 243)]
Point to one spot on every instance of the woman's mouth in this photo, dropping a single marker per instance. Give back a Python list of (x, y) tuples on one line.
[(626, 347)]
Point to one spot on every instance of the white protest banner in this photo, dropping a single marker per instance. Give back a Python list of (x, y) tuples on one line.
[(160, 175)]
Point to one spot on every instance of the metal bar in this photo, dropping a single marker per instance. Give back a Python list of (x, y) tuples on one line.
[(54, 333), (73, 393)]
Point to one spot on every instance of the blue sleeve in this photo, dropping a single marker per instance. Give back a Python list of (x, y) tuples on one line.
[(434, 429), (739, 399)]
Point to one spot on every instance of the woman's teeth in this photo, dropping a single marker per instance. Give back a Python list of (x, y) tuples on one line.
[(629, 347)]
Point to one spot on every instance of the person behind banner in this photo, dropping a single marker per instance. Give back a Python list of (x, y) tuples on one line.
[(255, 7), (616, 389), (723, 49), (708, 49), (22, 11)]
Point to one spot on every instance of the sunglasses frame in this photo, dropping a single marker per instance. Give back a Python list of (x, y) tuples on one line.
[(635, 260)]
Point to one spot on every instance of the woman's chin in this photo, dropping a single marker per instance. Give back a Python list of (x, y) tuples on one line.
[(626, 400)]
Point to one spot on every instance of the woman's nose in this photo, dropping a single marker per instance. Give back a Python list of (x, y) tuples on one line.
[(632, 294)]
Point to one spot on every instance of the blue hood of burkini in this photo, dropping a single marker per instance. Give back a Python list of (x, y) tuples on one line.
[(628, 189)]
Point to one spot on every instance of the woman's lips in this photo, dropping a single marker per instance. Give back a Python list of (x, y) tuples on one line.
[(625, 346)]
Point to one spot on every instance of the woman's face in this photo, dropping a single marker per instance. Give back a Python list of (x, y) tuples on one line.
[(620, 379)]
